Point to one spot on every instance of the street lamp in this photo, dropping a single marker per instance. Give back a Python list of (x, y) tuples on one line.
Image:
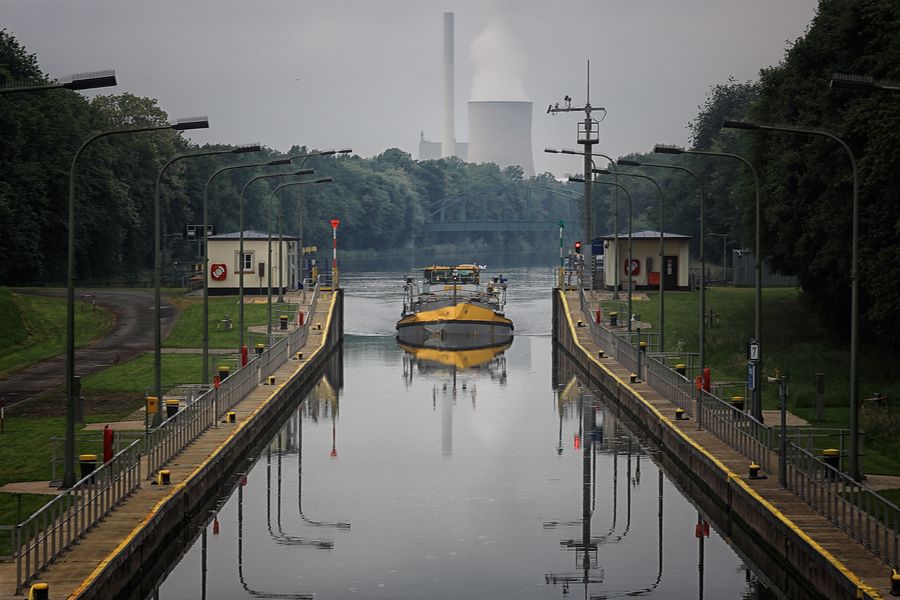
[(634, 163), (241, 251), (306, 156), (861, 83), (756, 404), (205, 317), (662, 322), (280, 267), (79, 81), (854, 278), (157, 263), (69, 449), (630, 237), (611, 164)]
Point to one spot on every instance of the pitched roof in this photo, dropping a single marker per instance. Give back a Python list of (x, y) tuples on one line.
[(647, 235), (249, 234)]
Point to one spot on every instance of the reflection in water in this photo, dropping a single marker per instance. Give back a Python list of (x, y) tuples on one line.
[(599, 433), (445, 360)]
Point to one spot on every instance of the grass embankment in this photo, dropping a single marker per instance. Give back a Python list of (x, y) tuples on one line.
[(796, 344), (33, 328), (188, 332)]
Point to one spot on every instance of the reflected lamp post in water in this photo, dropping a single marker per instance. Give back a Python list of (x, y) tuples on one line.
[(756, 405), (854, 276), (205, 313), (241, 257), (280, 243), (157, 263), (69, 449)]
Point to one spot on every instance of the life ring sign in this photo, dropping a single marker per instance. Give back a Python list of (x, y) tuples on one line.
[(218, 271), (634, 268)]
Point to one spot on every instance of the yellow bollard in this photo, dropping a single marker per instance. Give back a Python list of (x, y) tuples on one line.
[(270, 380), (231, 417), (39, 591), (164, 477), (299, 356)]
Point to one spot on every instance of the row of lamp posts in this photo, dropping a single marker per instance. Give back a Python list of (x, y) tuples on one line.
[(838, 81)]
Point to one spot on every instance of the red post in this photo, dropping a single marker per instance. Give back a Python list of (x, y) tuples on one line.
[(300, 317), (599, 315), (706, 379), (243, 356), (107, 443)]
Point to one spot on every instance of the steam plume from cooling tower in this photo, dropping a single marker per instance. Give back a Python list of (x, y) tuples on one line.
[(499, 65)]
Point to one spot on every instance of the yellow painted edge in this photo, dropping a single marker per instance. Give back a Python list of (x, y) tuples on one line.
[(179, 486), (837, 564)]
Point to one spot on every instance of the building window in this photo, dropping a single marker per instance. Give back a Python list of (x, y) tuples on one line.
[(245, 265)]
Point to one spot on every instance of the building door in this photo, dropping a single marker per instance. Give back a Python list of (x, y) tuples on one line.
[(670, 272)]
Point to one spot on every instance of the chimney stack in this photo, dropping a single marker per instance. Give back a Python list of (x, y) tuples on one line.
[(448, 146)]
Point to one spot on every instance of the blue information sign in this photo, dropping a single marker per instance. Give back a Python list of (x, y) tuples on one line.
[(596, 246), (751, 375)]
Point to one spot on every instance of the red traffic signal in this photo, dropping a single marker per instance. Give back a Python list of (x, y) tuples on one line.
[(578, 247)]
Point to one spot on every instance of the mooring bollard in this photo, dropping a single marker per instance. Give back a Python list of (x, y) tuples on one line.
[(895, 583), (283, 322), (231, 417), (738, 402), (613, 318), (681, 369), (299, 356), (164, 477), (601, 354), (270, 380), (223, 372), (87, 463), (633, 378), (172, 408), (679, 414), (260, 348), (643, 346), (39, 591), (754, 471), (832, 458)]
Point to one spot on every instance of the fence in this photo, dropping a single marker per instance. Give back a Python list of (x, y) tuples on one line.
[(40, 539), (857, 510)]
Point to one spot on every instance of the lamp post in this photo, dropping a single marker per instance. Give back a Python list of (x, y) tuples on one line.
[(79, 81), (69, 449), (610, 164), (662, 322), (724, 237), (241, 250), (205, 315), (280, 277), (157, 263), (305, 157), (633, 163), (756, 405), (854, 278)]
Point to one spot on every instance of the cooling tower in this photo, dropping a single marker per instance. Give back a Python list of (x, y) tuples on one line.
[(500, 132)]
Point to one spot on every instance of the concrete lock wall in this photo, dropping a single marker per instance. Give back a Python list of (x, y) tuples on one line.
[(139, 561), (762, 529)]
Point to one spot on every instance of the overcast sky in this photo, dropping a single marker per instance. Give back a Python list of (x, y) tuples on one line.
[(367, 74)]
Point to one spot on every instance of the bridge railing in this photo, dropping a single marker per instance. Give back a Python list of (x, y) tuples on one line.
[(858, 510), (41, 538)]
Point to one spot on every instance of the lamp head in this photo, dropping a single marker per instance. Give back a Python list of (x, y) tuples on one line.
[(628, 163), (732, 124), (278, 161), (576, 179), (345, 151), (569, 151), (246, 148), (88, 81), (304, 172), (602, 172), (324, 180), (667, 149), (846, 81), (191, 123), (551, 150)]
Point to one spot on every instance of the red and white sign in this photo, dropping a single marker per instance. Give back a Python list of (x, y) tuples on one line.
[(335, 223), (634, 268), (218, 271)]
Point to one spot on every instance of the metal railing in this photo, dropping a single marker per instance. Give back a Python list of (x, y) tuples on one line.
[(46, 534), (856, 509), (861, 513)]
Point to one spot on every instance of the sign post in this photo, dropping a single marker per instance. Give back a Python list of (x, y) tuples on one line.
[(334, 263), (753, 377)]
